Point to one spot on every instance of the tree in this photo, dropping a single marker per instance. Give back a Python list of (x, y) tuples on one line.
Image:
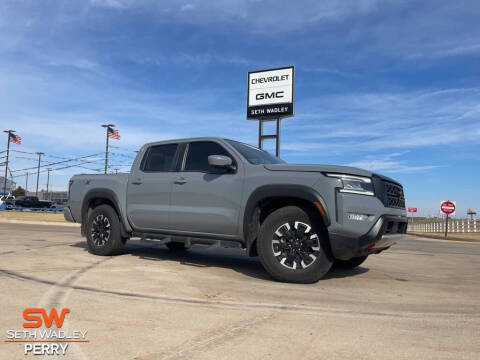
[(19, 191)]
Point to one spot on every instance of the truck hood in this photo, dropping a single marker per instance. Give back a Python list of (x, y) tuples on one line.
[(318, 168)]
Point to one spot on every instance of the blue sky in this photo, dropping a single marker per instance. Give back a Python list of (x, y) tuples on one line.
[(389, 86)]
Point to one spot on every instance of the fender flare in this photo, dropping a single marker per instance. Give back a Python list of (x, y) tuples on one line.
[(102, 193), (279, 191)]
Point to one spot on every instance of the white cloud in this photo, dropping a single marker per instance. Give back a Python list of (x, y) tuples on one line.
[(389, 164), (114, 4), (187, 7), (376, 121)]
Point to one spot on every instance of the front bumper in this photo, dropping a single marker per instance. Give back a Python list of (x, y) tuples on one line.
[(384, 233)]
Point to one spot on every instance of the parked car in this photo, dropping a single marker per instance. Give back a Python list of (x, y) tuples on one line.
[(32, 202), (8, 201), (299, 219)]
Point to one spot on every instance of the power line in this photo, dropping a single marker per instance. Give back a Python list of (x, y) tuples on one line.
[(123, 155), (123, 148), (67, 167), (23, 152), (60, 162), (24, 157)]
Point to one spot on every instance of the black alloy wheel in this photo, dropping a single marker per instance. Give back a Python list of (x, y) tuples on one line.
[(104, 231), (295, 245), (100, 231)]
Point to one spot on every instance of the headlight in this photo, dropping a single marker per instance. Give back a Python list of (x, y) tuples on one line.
[(355, 184)]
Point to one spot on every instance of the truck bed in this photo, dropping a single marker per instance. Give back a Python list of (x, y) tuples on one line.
[(82, 184)]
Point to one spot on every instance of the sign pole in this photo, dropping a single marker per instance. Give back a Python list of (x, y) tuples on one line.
[(446, 226), (277, 145), (260, 133), (448, 208)]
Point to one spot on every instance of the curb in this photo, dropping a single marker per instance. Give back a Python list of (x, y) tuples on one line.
[(51, 223)]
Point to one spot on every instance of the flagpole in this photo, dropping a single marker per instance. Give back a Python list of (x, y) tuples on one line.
[(107, 126), (6, 163)]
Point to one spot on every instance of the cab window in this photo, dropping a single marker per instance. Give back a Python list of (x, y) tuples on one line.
[(159, 158), (198, 153)]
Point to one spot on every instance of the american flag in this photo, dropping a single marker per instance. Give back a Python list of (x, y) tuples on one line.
[(14, 138), (113, 134)]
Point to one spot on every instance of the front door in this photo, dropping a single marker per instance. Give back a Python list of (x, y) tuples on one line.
[(149, 189), (206, 199)]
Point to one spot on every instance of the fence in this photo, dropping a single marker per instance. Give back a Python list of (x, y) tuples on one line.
[(454, 226)]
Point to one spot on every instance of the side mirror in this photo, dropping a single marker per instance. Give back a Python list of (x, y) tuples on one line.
[(221, 161)]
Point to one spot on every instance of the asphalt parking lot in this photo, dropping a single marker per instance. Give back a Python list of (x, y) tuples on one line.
[(420, 300)]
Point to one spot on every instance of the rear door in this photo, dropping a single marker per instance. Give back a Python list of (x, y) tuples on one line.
[(149, 188), (206, 199)]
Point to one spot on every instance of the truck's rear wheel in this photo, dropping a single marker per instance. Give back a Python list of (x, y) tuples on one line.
[(350, 264), (292, 247), (103, 232)]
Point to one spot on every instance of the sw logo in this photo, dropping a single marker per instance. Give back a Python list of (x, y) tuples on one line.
[(272, 95), (46, 341), (35, 321)]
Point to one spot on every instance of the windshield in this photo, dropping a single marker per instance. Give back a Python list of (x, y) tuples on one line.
[(254, 155)]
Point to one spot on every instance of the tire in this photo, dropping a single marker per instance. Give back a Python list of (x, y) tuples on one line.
[(350, 264), (176, 246), (280, 246), (103, 232)]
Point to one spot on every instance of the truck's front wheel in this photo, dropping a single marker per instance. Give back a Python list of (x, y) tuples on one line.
[(292, 247), (103, 231)]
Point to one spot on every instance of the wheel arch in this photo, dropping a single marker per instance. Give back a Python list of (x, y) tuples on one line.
[(266, 199), (97, 197)]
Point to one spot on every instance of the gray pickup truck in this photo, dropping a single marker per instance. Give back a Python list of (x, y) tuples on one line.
[(299, 219)]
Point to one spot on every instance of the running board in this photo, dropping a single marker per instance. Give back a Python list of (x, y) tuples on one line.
[(188, 241)]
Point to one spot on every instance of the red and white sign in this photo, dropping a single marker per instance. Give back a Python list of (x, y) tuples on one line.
[(412, 209), (447, 207)]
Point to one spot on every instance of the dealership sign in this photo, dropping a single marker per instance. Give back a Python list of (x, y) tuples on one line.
[(412, 209), (270, 93), (447, 207)]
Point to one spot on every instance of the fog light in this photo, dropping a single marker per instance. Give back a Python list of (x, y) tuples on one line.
[(357, 217)]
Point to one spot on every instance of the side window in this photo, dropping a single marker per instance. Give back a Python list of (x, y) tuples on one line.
[(198, 153), (159, 158)]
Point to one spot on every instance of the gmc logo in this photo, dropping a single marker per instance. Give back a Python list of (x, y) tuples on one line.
[(272, 95)]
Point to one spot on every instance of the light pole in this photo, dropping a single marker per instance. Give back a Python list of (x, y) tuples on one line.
[(26, 183), (48, 180), (38, 170), (107, 126), (6, 163)]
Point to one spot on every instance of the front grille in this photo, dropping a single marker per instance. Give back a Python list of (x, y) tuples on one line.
[(395, 197)]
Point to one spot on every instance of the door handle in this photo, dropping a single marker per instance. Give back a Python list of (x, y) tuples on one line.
[(180, 181), (137, 182)]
